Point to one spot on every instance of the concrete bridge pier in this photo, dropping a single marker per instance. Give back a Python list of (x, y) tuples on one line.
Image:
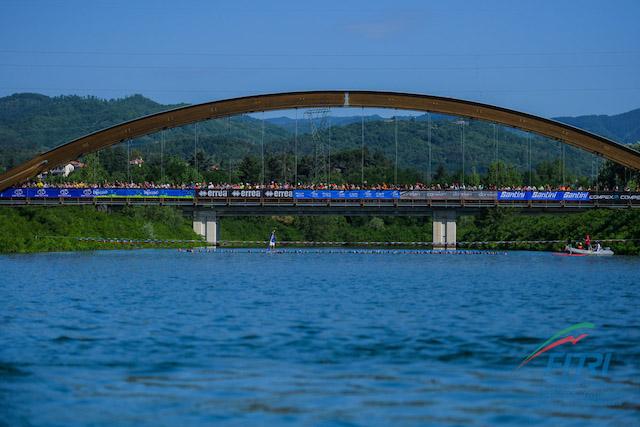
[(205, 224), (444, 229)]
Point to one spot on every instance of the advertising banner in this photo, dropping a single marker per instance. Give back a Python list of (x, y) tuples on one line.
[(346, 194), (543, 195), (78, 193), (153, 193), (614, 197), (245, 194), (447, 195)]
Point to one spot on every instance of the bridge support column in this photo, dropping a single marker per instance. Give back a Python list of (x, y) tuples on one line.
[(444, 229), (205, 224)]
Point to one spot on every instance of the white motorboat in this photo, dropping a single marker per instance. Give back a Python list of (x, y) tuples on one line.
[(599, 251)]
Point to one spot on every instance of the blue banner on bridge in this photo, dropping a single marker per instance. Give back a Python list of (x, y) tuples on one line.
[(543, 195), (346, 194), (80, 193)]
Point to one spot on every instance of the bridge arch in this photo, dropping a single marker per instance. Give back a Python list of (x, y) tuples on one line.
[(281, 101)]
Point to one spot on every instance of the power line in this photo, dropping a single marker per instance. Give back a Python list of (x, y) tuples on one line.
[(261, 90), (319, 55), (309, 68)]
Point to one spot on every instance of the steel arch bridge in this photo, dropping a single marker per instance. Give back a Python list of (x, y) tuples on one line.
[(280, 101)]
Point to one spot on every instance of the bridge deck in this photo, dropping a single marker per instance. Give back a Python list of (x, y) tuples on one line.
[(288, 206)]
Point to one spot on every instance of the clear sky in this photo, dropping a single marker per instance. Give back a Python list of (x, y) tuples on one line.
[(545, 57)]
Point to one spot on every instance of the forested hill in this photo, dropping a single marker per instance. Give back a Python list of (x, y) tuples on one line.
[(31, 123)]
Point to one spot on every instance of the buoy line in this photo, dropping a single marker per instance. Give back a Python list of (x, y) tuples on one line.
[(226, 251)]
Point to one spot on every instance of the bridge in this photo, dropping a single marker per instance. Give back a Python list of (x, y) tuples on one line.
[(208, 207)]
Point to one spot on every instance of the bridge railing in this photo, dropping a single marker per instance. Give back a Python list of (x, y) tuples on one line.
[(309, 198)]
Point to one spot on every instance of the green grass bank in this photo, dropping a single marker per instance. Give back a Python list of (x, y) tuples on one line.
[(37, 229)]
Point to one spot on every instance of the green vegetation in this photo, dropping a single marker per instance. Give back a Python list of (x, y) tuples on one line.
[(508, 225), (328, 228), (493, 225), (32, 229)]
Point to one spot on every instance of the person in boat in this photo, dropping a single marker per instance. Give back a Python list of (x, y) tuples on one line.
[(598, 247), (587, 242), (272, 240), (579, 245)]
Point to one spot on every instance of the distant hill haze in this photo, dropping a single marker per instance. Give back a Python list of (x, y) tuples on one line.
[(624, 128)]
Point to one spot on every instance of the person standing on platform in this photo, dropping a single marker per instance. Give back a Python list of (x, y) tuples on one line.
[(272, 240)]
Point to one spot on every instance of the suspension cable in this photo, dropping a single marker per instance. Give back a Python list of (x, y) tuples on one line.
[(284, 163), (495, 155), (563, 164), (597, 179), (96, 164), (195, 146), (395, 171), (129, 160), (262, 149), (430, 169), (462, 142), (228, 141), (329, 149), (362, 147), (295, 153), (162, 155), (529, 141)]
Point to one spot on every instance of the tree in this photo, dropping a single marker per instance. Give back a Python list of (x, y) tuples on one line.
[(249, 170), (441, 174), (503, 175)]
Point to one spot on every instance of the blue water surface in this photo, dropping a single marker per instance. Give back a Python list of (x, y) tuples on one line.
[(232, 337)]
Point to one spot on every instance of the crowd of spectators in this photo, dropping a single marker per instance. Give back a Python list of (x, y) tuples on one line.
[(318, 186)]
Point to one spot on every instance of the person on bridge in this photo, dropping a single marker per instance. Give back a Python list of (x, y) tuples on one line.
[(272, 240)]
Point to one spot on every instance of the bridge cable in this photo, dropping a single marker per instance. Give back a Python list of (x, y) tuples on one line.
[(329, 149), (429, 170), (284, 163), (563, 164), (96, 163), (529, 141), (195, 147), (162, 155), (395, 171), (262, 149), (129, 160), (597, 179), (462, 143), (362, 147), (295, 153), (495, 155), (230, 167)]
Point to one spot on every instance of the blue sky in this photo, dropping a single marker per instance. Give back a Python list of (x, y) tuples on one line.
[(545, 57)]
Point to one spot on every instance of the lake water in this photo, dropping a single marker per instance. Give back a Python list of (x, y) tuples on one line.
[(161, 337)]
